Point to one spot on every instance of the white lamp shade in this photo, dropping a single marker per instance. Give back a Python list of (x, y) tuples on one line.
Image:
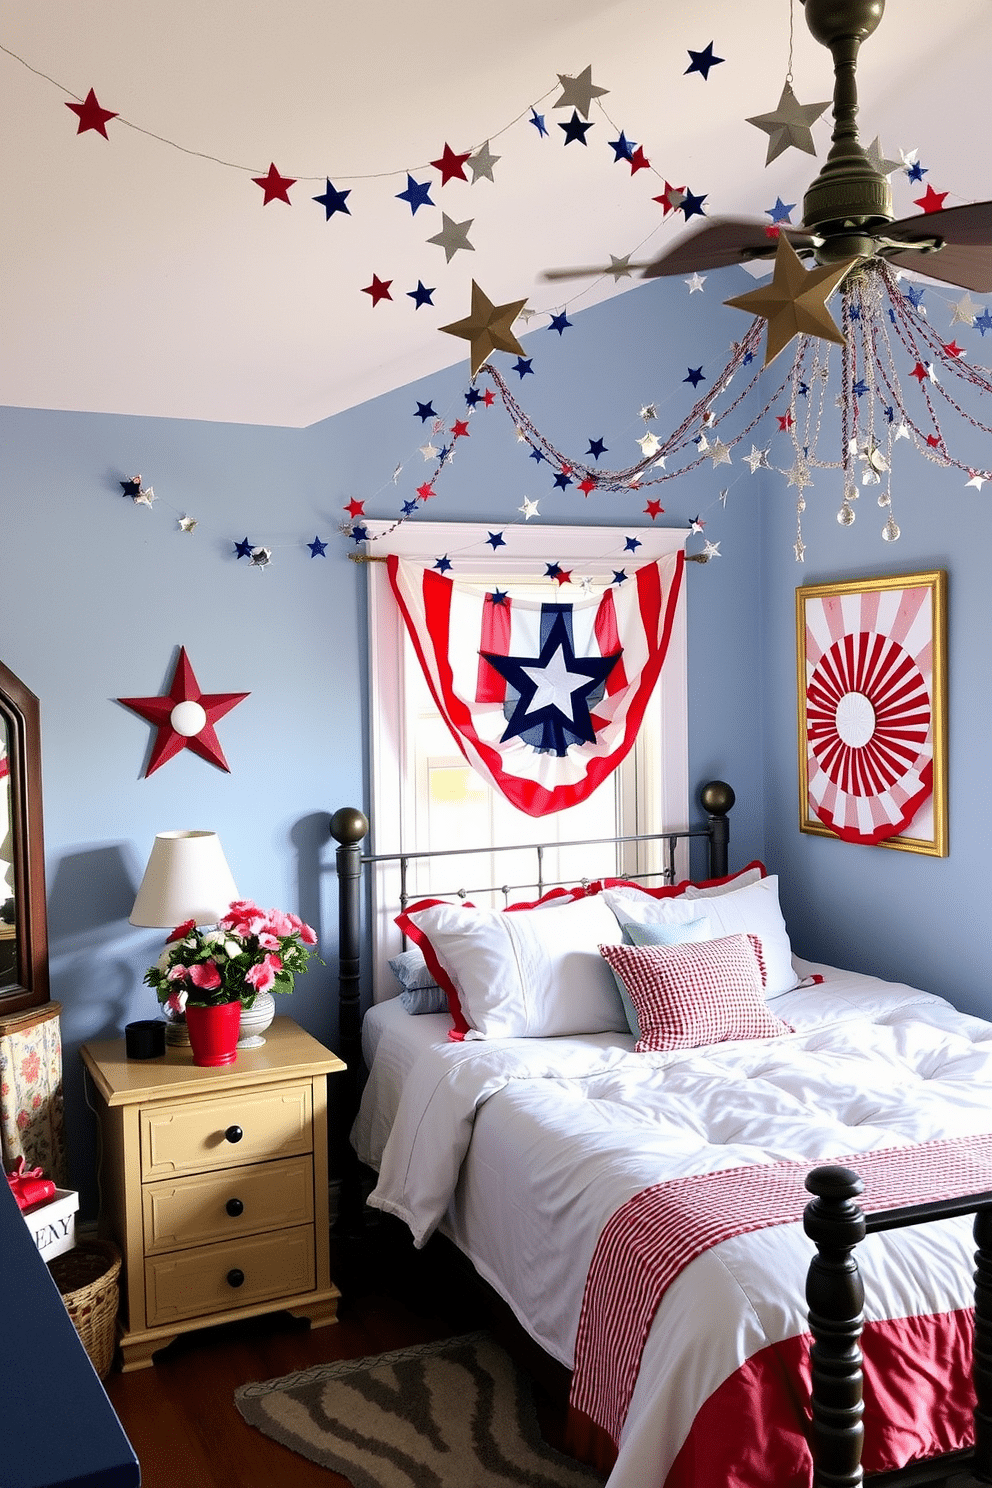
[(187, 878)]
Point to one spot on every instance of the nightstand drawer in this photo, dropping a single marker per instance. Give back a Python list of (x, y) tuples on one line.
[(206, 1207), (204, 1282), (245, 1127)]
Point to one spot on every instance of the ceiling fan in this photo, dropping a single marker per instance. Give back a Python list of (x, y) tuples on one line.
[(847, 209)]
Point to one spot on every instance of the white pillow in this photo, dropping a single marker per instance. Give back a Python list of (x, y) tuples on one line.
[(711, 891), (751, 910), (528, 973)]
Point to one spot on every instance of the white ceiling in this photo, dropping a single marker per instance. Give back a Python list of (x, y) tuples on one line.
[(143, 278)]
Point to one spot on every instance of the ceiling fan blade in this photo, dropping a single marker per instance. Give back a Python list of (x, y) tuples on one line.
[(965, 266), (723, 241), (965, 257), (592, 271)]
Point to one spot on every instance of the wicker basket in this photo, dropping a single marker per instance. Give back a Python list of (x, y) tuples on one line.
[(87, 1279)]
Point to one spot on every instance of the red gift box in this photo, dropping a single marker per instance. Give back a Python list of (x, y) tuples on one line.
[(30, 1186)]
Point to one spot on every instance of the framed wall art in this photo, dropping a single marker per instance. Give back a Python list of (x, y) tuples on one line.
[(872, 711)]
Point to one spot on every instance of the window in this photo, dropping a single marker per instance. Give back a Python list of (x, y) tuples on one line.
[(425, 796)]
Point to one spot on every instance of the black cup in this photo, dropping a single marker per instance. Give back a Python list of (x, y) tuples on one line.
[(145, 1040)]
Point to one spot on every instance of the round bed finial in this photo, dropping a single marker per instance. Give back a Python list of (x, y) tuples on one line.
[(348, 825), (717, 797)]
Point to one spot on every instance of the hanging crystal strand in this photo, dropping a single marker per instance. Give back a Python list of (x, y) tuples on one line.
[(849, 412), (799, 475)]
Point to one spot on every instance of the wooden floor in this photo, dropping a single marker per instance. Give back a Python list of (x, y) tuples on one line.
[(180, 1414)]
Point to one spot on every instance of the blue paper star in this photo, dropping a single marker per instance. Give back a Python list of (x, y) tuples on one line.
[(702, 61), (575, 128), (916, 171), (596, 448), (425, 411), (632, 544), (552, 570), (421, 295), (333, 201), (622, 148), (360, 534), (554, 689), (444, 454), (855, 312), (859, 388), (243, 548), (536, 454), (538, 121), (984, 322), (914, 295), (498, 596), (317, 548), (495, 540), (889, 413), (803, 390), (522, 366), (692, 206), (619, 577), (417, 193), (443, 564), (473, 396), (559, 323), (409, 507), (695, 376), (562, 480), (780, 212)]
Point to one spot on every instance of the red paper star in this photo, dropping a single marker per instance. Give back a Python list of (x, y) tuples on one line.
[(274, 186), (185, 717), (953, 349), (638, 161), (91, 115), (460, 429), (450, 165), (563, 576), (489, 397), (355, 508), (668, 205), (920, 373), (933, 440), (653, 509), (587, 485), (426, 491), (931, 201), (378, 289), (785, 420)]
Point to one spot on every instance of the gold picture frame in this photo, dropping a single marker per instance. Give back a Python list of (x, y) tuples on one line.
[(872, 710)]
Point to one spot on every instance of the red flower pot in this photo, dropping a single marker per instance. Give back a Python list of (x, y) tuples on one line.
[(213, 1032)]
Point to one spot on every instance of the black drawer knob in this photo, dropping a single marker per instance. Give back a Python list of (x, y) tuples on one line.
[(234, 1207), (235, 1277), (234, 1134)]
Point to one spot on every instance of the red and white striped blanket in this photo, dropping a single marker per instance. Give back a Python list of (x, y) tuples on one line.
[(655, 1235)]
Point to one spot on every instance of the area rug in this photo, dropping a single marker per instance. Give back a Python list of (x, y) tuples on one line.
[(454, 1414)]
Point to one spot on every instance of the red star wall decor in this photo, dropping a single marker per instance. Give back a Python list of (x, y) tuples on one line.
[(185, 717), (91, 115)]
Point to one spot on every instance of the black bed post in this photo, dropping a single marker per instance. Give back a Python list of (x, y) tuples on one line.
[(981, 1467), (835, 1296), (348, 827), (717, 798)]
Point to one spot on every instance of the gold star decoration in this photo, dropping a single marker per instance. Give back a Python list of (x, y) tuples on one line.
[(795, 302), (488, 327)]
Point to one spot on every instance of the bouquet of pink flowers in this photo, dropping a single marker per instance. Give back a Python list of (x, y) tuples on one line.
[(250, 950)]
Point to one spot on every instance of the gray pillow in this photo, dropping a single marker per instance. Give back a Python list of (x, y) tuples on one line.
[(420, 994)]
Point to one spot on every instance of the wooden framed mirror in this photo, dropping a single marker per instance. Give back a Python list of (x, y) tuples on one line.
[(23, 911)]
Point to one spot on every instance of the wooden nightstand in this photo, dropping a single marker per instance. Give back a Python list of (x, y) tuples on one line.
[(214, 1185)]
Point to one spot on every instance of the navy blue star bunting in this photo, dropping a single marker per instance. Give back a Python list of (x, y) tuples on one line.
[(554, 689), (333, 201)]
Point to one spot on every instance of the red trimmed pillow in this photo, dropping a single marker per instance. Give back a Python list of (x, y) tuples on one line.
[(687, 996), (705, 889), (417, 931)]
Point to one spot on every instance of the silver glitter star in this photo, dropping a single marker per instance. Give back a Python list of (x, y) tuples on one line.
[(719, 453), (187, 524), (578, 92), (482, 162), (756, 459), (453, 236)]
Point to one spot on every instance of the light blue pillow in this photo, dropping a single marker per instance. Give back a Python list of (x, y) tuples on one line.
[(420, 994), (657, 935)]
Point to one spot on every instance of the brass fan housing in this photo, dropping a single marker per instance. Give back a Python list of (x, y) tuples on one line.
[(849, 200)]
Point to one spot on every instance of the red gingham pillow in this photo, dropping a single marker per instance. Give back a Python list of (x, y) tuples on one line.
[(690, 995)]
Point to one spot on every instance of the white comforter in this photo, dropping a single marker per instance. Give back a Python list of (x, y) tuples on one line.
[(522, 1149)]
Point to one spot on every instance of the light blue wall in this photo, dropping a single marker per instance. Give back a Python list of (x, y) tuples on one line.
[(98, 595)]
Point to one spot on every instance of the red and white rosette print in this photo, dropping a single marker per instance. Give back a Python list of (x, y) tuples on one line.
[(869, 734)]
